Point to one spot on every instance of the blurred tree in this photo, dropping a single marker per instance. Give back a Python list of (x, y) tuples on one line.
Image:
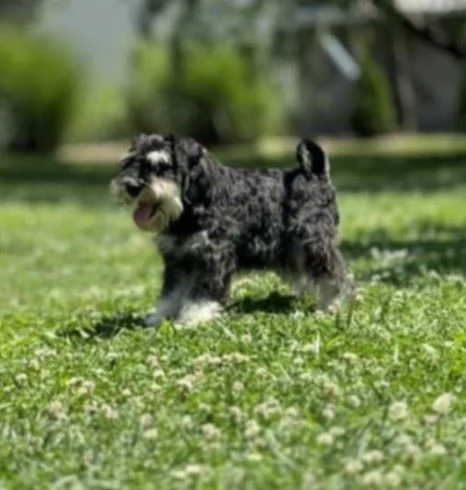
[(373, 110), (19, 10), (427, 29)]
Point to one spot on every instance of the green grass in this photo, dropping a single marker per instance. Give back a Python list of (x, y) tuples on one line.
[(269, 396)]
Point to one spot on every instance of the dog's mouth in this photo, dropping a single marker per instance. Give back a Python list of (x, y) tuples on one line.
[(143, 214)]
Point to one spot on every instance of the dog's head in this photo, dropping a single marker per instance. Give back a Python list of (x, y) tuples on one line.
[(152, 178)]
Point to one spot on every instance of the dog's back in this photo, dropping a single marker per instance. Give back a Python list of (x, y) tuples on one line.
[(265, 207)]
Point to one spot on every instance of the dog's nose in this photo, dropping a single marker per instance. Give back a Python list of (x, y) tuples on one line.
[(133, 189)]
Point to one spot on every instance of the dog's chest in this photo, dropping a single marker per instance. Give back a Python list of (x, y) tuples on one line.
[(178, 247)]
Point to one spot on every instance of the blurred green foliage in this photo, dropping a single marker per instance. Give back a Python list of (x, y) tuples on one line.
[(374, 112), (208, 91), (101, 114), (39, 84)]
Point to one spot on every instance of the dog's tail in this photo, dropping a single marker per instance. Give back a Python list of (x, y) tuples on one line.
[(312, 159)]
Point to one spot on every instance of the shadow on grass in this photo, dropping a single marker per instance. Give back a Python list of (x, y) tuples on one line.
[(35, 179), (109, 326), (106, 327), (274, 303), (441, 248)]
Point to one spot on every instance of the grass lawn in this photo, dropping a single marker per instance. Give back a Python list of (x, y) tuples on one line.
[(271, 396)]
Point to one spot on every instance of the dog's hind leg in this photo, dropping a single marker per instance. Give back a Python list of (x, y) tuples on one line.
[(320, 268)]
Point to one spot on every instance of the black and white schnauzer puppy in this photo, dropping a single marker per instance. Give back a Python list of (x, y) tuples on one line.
[(211, 221)]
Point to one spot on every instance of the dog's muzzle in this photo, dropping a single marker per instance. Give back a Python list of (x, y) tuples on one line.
[(143, 214), (156, 203)]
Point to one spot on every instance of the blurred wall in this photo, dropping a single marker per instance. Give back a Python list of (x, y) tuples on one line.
[(327, 96), (100, 30)]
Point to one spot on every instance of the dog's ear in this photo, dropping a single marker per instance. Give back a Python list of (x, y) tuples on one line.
[(187, 150), (193, 150)]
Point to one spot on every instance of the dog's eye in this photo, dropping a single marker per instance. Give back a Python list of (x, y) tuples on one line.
[(162, 168)]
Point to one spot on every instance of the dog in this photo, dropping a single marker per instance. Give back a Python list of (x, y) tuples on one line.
[(211, 221)]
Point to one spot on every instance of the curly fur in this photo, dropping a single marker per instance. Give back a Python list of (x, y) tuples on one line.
[(238, 219)]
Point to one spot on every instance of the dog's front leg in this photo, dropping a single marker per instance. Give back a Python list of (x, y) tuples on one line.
[(175, 288), (210, 286)]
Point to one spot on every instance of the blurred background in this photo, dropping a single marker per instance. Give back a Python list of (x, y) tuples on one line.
[(231, 71), (381, 84)]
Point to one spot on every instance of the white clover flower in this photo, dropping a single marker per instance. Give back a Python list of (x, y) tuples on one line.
[(268, 409), (109, 412), (152, 360), (331, 389), (21, 378), (372, 478), (158, 373), (443, 404), (354, 401), (437, 450), (413, 451), (306, 376), (431, 419), (235, 358), (328, 412), (254, 457), (292, 413), (211, 432), (311, 348), (194, 469), (246, 338), (34, 364), (431, 351), (187, 422), (150, 434), (350, 358), (205, 407), (392, 479), (111, 357), (374, 456), (325, 439), (403, 439), (146, 420), (56, 410), (207, 360), (238, 387), (235, 413), (45, 352), (398, 410), (261, 372), (126, 392), (252, 430), (299, 361), (353, 466), (155, 387), (337, 431), (188, 382), (75, 381), (86, 388)]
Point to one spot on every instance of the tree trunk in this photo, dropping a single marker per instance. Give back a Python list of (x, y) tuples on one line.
[(405, 93)]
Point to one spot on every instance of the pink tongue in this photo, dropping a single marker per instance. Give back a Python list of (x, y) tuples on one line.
[(142, 214)]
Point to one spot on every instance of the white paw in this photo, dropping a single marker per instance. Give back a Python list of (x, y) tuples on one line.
[(153, 320), (193, 313)]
